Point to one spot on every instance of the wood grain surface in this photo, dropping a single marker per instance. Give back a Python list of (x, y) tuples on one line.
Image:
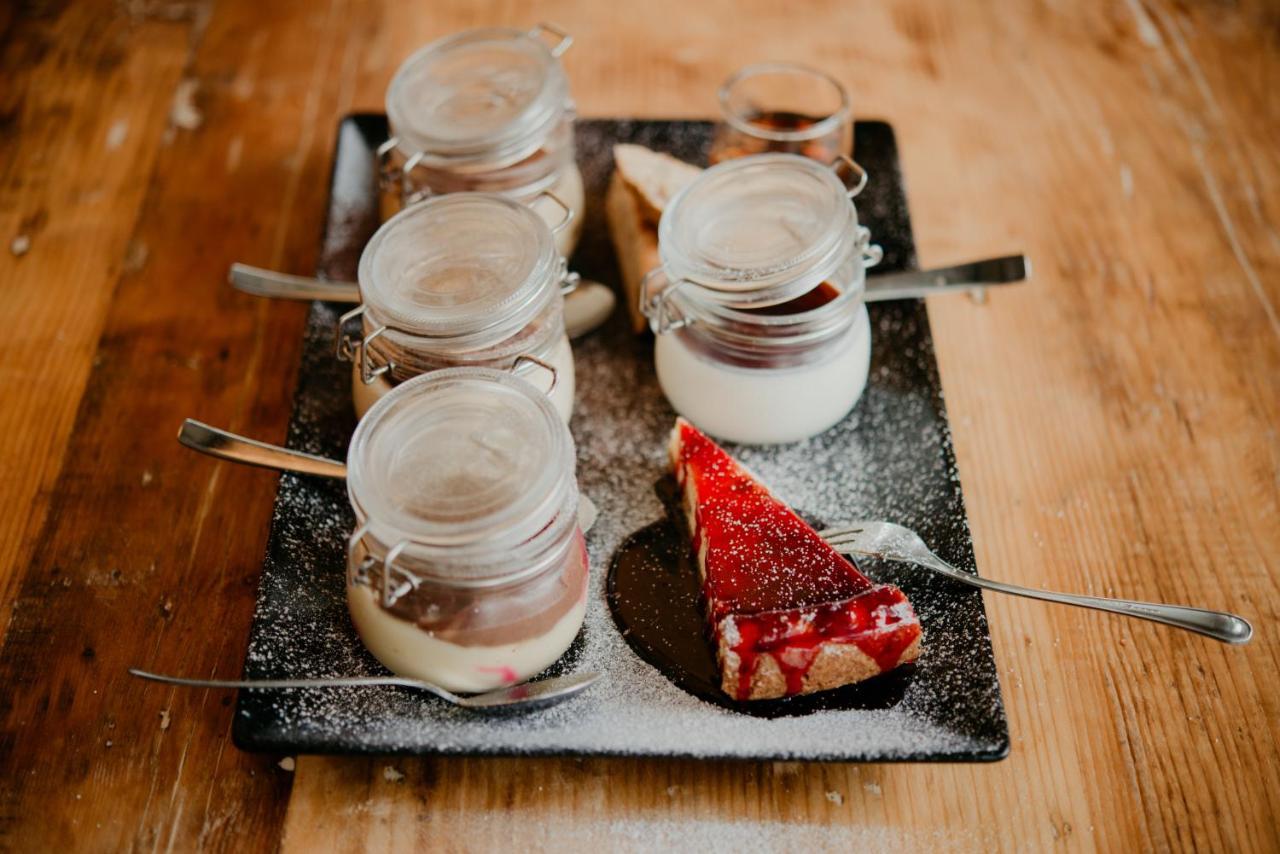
[(1117, 423)]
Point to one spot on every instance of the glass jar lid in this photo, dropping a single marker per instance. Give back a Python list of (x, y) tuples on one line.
[(757, 231), (486, 94), (462, 463), (467, 270)]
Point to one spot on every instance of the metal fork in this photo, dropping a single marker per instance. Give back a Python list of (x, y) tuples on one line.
[(888, 541)]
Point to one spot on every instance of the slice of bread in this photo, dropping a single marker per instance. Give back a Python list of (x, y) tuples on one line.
[(653, 176), (641, 185), (635, 242)]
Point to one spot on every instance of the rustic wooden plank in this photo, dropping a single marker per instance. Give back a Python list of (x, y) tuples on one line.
[(85, 99), (150, 555), (1115, 429)]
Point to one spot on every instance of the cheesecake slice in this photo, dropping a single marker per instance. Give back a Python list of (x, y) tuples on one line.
[(788, 613)]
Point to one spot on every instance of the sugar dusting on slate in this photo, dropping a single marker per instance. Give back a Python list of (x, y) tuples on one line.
[(889, 459)]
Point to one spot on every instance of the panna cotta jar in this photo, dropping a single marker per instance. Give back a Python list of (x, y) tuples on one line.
[(467, 567), (468, 279), (761, 335), (485, 110)]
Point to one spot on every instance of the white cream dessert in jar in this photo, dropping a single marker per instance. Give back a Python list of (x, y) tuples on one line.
[(469, 279), (761, 335), (485, 110), (468, 566)]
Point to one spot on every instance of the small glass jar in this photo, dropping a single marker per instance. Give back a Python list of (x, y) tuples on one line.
[(469, 279), (761, 333), (467, 567), (486, 110), (784, 107)]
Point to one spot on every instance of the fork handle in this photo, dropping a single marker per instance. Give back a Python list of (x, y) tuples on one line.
[(1218, 625)]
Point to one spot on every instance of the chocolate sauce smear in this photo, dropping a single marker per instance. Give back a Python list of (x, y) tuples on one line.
[(655, 598)]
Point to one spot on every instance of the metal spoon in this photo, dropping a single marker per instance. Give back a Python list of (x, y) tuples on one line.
[(586, 307), (590, 303), (527, 695), (973, 276), (226, 445), (888, 541)]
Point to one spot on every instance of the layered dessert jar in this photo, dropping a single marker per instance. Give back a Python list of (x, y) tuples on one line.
[(761, 335), (467, 567), (485, 110), (469, 279)]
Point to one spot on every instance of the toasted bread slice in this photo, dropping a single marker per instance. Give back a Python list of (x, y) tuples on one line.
[(653, 176), (635, 241), (789, 614), (642, 184)]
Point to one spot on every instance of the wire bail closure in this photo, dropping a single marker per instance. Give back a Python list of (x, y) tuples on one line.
[(871, 253), (387, 173), (569, 213), (657, 306), (569, 280), (853, 176), (396, 582), (352, 347), (534, 360), (543, 28)]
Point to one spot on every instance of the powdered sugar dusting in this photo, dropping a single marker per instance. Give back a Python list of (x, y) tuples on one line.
[(890, 458)]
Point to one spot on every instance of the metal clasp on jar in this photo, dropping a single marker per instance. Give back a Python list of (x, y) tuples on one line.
[(543, 28), (872, 254), (389, 175), (396, 582), (853, 176), (353, 347), (534, 360), (657, 306)]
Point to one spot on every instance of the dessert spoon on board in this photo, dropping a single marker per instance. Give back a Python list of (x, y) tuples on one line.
[(526, 695), (972, 276), (226, 445), (589, 304), (888, 541), (586, 307)]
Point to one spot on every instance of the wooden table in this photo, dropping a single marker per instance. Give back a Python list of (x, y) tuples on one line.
[(1117, 423)]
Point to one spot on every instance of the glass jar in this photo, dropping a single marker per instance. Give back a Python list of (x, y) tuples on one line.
[(782, 106), (467, 567), (486, 110), (761, 333), (469, 279)]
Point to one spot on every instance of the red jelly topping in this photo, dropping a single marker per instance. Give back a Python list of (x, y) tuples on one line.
[(880, 622), (787, 589)]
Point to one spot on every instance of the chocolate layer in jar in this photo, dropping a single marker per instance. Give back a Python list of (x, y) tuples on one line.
[(468, 567), (497, 616)]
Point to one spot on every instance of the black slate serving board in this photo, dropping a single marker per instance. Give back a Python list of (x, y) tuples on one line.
[(891, 458)]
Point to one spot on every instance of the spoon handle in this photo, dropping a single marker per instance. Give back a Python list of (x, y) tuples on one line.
[(973, 276), (269, 283), (1219, 625), (335, 682), (228, 446), (586, 307)]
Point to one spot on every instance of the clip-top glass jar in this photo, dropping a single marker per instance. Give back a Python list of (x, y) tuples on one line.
[(470, 279), (486, 110), (761, 333), (467, 567)]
